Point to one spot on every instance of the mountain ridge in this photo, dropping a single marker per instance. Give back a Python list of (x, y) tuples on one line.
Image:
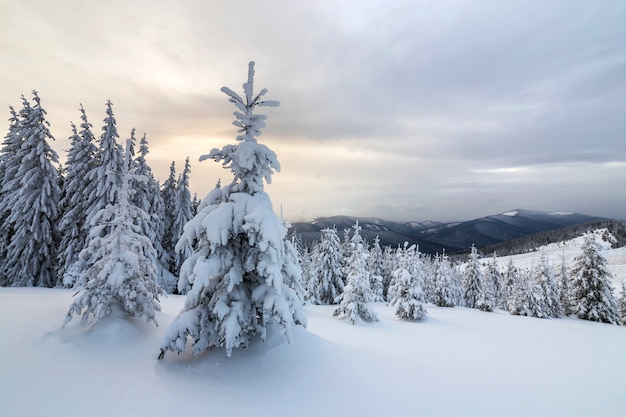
[(451, 237)]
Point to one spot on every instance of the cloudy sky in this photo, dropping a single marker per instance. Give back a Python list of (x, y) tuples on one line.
[(404, 110)]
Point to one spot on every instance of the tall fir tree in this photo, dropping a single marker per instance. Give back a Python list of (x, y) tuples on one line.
[(536, 302), (545, 276), (390, 264), (238, 289), (621, 304), (508, 286), (472, 279), (407, 295), (493, 274), (518, 299), (8, 168), (120, 277), (104, 178), (183, 213), (168, 195), (327, 280), (375, 269), (592, 297), (355, 301), (563, 280), (31, 254), (147, 197), (75, 203), (448, 287)]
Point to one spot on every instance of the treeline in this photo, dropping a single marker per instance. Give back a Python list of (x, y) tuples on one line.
[(51, 214), (353, 274)]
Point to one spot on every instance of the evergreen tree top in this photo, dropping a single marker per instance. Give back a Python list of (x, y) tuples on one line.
[(249, 161), (249, 124)]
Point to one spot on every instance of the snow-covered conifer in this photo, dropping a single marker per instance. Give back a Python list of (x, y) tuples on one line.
[(75, 202), (183, 212), (621, 304), (327, 281), (563, 281), (545, 276), (168, 195), (406, 287), (448, 287), (390, 264), (292, 268), (8, 168), (494, 276), (236, 270), (592, 296), (33, 197), (104, 179), (536, 301), (429, 280), (307, 264), (147, 197), (355, 301), (517, 303), (121, 272), (486, 296), (472, 279), (375, 268), (508, 283)]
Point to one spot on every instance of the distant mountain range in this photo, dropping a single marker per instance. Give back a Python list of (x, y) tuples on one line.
[(435, 237)]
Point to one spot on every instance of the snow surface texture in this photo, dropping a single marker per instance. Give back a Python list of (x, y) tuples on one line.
[(455, 362)]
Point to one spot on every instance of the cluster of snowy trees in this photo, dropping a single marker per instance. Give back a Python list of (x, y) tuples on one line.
[(103, 225), (50, 216), (355, 274)]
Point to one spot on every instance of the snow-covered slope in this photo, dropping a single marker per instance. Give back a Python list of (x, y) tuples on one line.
[(457, 362)]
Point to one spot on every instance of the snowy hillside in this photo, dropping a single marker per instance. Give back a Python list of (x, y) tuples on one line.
[(456, 362), (568, 250)]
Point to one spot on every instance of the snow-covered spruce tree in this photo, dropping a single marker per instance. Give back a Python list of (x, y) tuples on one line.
[(121, 272), (592, 296), (104, 179), (307, 254), (34, 202), (429, 284), (292, 268), (448, 287), (535, 298), (168, 195), (327, 280), (406, 287), (355, 301), (147, 197), (390, 264), (486, 296), (236, 270), (375, 269), (75, 203), (182, 214), (506, 289), (494, 276), (621, 304), (563, 281), (8, 167), (517, 299), (545, 276), (472, 279)]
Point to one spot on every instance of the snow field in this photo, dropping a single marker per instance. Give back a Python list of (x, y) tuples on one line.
[(456, 362)]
